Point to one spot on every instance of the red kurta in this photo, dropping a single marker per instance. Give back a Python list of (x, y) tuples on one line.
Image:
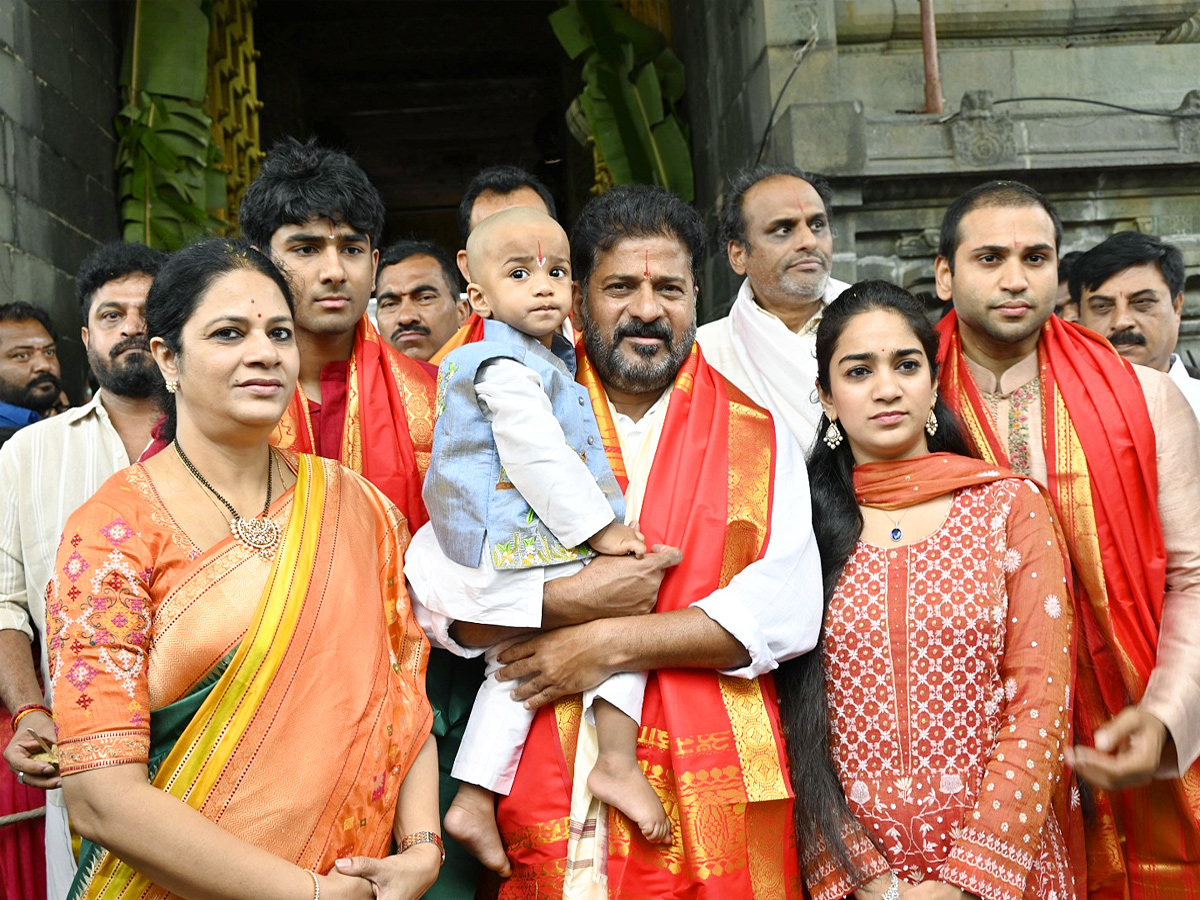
[(386, 427)]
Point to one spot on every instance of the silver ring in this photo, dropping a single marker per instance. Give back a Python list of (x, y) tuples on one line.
[(21, 777)]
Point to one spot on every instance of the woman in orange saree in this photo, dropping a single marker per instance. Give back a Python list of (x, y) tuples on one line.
[(243, 709), (927, 735)]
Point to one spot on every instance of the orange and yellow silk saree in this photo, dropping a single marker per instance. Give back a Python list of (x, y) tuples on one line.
[(283, 699)]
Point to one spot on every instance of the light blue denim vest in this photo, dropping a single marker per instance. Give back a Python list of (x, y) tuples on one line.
[(471, 502)]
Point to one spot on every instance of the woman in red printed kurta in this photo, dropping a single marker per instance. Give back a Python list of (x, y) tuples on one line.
[(946, 660)]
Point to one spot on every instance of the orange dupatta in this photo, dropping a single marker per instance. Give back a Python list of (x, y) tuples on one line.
[(1100, 450), (896, 484), (388, 433), (710, 744)]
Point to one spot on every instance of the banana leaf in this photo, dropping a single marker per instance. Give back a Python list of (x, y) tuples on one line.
[(630, 116), (571, 32), (670, 71), (677, 157), (171, 49)]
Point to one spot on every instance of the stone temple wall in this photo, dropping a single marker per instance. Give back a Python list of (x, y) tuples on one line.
[(852, 111), (58, 97)]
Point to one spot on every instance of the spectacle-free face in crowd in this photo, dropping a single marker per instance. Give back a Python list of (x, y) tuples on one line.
[(1130, 289), (522, 267), (418, 292), (29, 367), (226, 348), (778, 235), (494, 189), (879, 386), (637, 307), (112, 285), (314, 211), (999, 264)]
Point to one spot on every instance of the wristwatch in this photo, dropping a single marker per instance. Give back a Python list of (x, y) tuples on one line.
[(429, 837)]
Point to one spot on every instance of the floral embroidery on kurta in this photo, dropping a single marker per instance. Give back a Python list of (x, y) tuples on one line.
[(948, 664)]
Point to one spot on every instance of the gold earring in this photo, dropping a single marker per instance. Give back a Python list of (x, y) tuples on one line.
[(172, 387), (931, 424)]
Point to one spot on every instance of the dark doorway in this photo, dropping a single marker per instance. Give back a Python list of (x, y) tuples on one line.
[(423, 94)]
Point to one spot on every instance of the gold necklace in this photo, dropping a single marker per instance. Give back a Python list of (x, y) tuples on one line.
[(259, 534)]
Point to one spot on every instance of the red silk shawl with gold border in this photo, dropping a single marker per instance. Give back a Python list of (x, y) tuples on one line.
[(710, 744), (1100, 450), (388, 432)]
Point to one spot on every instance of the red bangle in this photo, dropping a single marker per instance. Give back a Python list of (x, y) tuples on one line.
[(26, 710)]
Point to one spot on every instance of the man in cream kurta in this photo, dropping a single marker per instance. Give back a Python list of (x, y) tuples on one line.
[(996, 262), (777, 232), (1014, 400), (51, 468)]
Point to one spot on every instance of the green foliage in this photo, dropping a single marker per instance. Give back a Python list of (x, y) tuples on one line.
[(632, 82), (166, 157)]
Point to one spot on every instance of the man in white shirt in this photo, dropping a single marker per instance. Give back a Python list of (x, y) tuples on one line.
[(777, 233), (1130, 289), (705, 472), (48, 470)]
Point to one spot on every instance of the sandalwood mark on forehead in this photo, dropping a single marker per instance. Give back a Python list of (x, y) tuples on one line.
[(647, 273)]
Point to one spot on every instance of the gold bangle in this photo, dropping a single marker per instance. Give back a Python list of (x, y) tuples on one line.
[(424, 837), (316, 885)]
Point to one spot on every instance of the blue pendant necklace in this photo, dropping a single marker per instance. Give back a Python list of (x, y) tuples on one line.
[(896, 534)]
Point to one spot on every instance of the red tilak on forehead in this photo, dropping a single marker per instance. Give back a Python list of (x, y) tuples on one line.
[(799, 202), (541, 259), (1016, 240), (647, 263)]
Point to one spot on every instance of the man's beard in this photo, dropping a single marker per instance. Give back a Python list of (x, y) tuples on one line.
[(26, 395), (641, 376), (136, 376), (809, 286)]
